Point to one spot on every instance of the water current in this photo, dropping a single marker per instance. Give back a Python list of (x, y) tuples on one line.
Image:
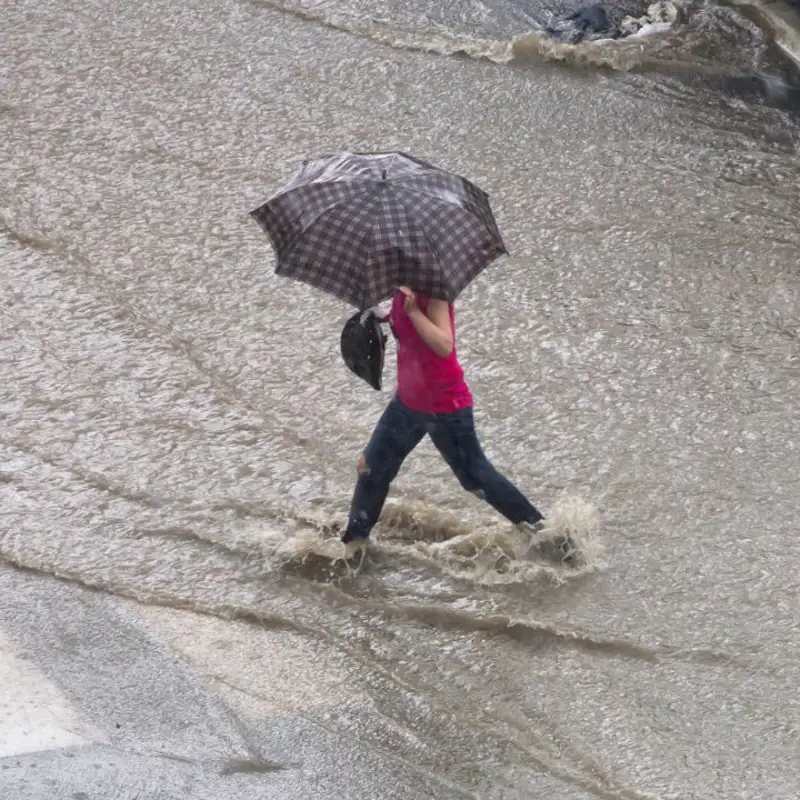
[(177, 427)]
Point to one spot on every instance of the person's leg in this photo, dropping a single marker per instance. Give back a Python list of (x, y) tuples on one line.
[(455, 438), (397, 433)]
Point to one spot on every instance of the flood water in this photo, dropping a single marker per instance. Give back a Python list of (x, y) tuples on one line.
[(177, 425)]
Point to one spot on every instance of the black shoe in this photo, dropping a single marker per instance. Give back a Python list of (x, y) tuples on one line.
[(355, 546), (353, 536), (533, 528)]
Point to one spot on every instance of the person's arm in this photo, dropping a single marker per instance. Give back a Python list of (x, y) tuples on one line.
[(433, 326)]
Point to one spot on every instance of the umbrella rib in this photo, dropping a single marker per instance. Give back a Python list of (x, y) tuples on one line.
[(420, 225), (370, 250), (317, 217), (472, 212), (411, 211), (441, 199), (285, 192)]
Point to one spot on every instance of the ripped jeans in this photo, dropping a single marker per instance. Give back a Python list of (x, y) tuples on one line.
[(397, 433)]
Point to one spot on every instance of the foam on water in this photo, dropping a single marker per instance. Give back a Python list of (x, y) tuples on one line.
[(697, 37), (430, 538)]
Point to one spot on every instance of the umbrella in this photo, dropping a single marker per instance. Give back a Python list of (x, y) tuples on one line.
[(357, 225), (363, 346)]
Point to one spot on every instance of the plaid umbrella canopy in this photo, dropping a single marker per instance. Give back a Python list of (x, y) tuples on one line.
[(357, 225)]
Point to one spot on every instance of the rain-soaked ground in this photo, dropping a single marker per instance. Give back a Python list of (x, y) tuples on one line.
[(179, 433)]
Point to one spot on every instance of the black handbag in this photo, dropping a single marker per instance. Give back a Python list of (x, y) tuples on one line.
[(363, 345)]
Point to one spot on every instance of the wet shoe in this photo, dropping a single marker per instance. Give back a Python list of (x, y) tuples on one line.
[(354, 545), (560, 548), (533, 528), (352, 536)]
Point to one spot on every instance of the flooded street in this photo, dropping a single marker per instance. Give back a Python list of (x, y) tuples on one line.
[(179, 433)]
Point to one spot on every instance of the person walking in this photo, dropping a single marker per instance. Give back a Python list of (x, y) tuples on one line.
[(367, 226), (433, 398)]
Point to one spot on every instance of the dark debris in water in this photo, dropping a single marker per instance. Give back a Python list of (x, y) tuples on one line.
[(609, 20)]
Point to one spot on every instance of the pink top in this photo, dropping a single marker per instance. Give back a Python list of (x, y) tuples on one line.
[(426, 382)]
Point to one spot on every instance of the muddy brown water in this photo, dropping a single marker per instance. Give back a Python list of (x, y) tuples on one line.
[(178, 427)]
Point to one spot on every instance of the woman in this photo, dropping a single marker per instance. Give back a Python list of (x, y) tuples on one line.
[(432, 398)]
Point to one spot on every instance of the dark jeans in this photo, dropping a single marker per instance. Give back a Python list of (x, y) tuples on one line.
[(397, 433)]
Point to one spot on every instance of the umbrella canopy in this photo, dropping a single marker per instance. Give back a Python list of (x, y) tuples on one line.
[(357, 225)]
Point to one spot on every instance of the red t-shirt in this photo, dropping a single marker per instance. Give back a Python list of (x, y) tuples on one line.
[(426, 382)]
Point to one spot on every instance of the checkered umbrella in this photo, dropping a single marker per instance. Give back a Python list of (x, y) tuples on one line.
[(357, 225)]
